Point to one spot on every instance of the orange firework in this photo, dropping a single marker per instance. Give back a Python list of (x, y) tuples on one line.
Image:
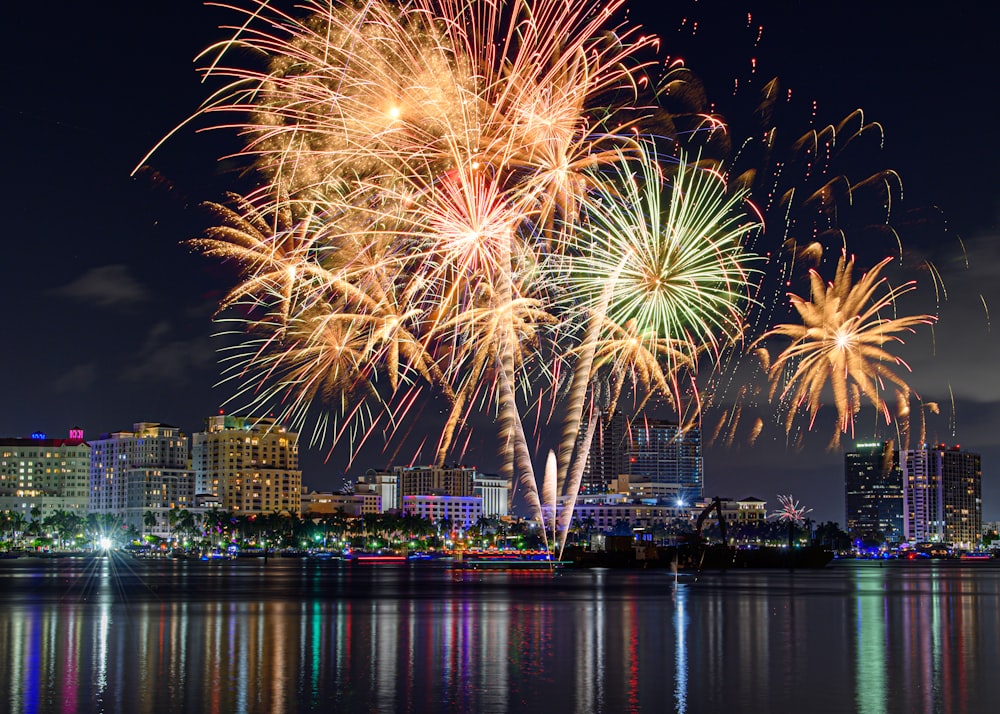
[(841, 343)]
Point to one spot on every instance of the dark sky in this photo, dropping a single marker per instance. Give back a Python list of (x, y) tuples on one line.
[(108, 316)]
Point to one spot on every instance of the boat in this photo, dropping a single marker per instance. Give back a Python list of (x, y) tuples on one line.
[(515, 564), (492, 559), (325, 555), (375, 558)]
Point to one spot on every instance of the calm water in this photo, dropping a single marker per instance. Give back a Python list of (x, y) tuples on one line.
[(123, 635)]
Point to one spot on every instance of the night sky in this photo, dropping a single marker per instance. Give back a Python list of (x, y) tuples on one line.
[(108, 318)]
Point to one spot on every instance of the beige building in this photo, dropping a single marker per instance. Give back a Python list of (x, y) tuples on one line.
[(384, 485), (316, 504), (942, 496), (749, 511), (48, 474), (252, 466)]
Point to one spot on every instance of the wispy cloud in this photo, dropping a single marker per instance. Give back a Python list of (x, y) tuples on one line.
[(79, 378), (106, 286), (165, 357)]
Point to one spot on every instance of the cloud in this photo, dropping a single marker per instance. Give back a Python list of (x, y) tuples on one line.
[(164, 357), (106, 286), (79, 378)]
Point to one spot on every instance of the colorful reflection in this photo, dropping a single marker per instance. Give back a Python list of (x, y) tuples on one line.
[(292, 637)]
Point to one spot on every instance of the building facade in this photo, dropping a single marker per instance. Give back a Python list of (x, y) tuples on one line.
[(316, 504), (608, 514), (494, 492), (942, 496), (252, 466), (747, 512), (663, 454), (45, 474), (606, 458), (395, 484), (385, 485), (141, 473), (660, 457), (462, 512), (873, 493)]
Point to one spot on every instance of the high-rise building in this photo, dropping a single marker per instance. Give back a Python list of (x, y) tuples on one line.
[(43, 473), (659, 457), (606, 460), (873, 493), (668, 458), (251, 465), (142, 471), (942, 495)]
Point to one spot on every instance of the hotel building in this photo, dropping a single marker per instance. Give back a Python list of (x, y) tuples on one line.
[(48, 474), (251, 465)]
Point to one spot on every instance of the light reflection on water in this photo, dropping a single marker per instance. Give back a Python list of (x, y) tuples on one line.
[(291, 635)]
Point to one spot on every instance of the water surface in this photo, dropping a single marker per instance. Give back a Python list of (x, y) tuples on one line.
[(120, 635)]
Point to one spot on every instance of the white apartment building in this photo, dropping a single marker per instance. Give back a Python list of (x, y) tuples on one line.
[(462, 511), (140, 471)]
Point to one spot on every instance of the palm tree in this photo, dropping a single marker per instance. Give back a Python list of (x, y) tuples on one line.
[(55, 523), (35, 526), (73, 523), (185, 522), (14, 522), (371, 523), (149, 520), (103, 525)]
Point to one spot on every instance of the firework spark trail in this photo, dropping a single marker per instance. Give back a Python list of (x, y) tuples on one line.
[(550, 498), (574, 480), (805, 186)]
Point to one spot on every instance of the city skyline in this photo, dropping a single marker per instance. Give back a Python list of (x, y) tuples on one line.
[(127, 305)]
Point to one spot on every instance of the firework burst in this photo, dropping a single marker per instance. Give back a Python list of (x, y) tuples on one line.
[(466, 200), (790, 511), (841, 343)]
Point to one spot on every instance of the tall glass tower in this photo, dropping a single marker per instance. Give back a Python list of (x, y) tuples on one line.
[(668, 457), (873, 490)]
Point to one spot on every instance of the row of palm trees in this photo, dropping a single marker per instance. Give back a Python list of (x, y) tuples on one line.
[(60, 529), (371, 531), (71, 530), (67, 530)]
